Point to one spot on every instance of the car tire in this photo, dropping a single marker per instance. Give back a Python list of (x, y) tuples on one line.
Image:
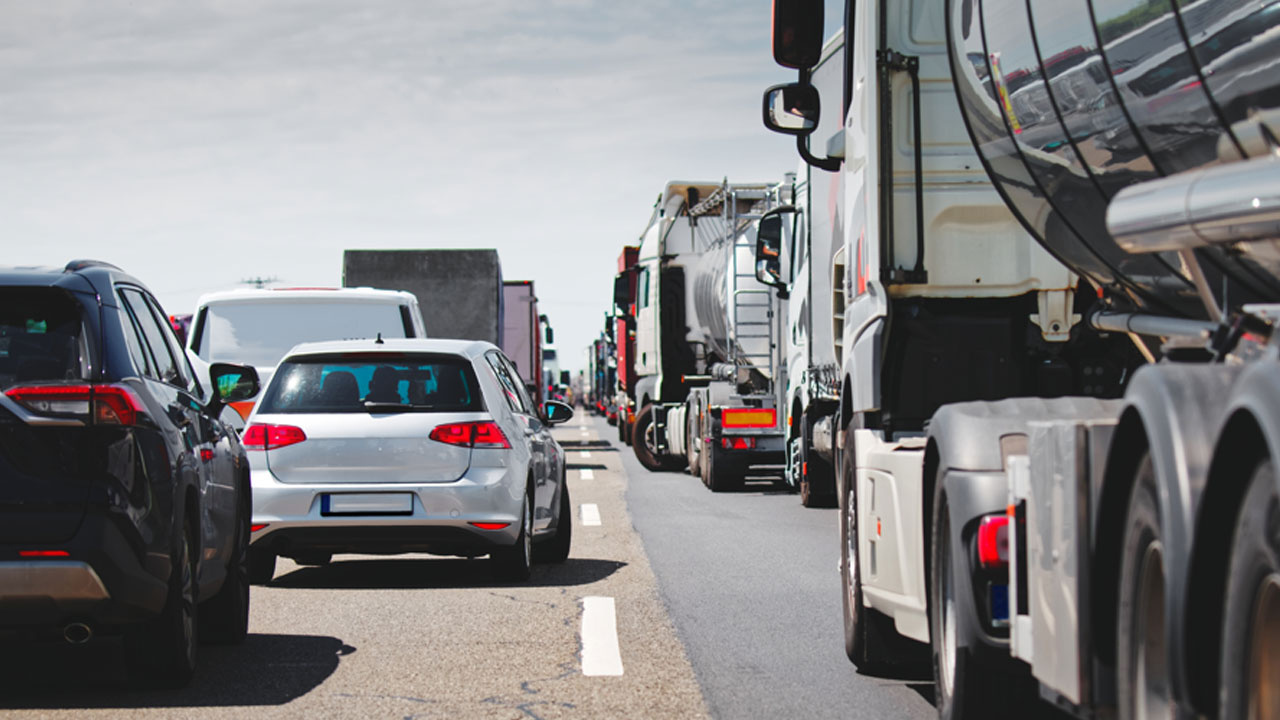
[(556, 548), (512, 564), (1250, 685), (1142, 676), (162, 653), (817, 481), (262, 566), (224, 618)]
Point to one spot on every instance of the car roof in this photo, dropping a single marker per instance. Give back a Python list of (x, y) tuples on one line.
[(345, 294), (92, 276), (467, 348)]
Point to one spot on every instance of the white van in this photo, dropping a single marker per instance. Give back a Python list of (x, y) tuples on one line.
[(258, 326)]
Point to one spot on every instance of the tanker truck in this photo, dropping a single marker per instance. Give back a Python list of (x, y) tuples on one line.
[(709, 364), (1065, 487)]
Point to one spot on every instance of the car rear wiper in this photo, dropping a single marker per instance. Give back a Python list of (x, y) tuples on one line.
[(375, 405)]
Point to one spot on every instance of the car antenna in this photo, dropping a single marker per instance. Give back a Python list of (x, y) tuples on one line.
[(379, 340)]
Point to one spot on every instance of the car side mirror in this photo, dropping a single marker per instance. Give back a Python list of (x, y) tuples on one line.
[(797, 33), (769, 251), (232, 383), (556, 412)]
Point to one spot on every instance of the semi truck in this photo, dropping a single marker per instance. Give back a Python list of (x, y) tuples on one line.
[(521, 338), (1054, 301), (624, 337), (709, 364)]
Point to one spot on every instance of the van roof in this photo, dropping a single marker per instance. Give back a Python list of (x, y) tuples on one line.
[(357, 294)]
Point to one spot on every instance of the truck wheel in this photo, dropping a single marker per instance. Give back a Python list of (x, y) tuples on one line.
[(1142, 676), (1250, 665), (643, 441), (868, 636), (817, 481), (693, 443), (718, 475), (162, 653), (512, 564), (556, 549), (224, 618), (963, 688), (623, 437)]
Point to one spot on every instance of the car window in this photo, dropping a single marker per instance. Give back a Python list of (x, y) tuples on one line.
[(358, 383), (133, 340), (521, 390), (510, 387), (181, 363), (259, 333), (166, 368), (42, 337)]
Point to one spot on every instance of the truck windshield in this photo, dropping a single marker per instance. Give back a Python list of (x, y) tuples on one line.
[(260, 333), (347, 384)]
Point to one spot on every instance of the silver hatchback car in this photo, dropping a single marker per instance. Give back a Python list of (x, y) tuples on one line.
[(399, 446)]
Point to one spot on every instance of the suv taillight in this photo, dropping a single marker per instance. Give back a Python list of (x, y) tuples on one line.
[(483, 434), (111, 404), (262, 436)]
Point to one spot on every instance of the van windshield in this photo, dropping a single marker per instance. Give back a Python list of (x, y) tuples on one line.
[(260, 333)]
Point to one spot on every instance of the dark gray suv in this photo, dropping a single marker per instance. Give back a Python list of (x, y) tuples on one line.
[(124, 499)]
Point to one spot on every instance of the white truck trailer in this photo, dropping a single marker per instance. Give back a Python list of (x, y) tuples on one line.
[(1059, 394)]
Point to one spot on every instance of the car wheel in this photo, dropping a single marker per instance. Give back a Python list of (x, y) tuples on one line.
[(512, 563), (556, 548), (262, 566), (224, 618), (162, 653), (1250, 665), (1142, 676)]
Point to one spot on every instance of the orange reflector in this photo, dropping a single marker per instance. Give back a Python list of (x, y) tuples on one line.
[(244, 407), (43, 553), (748, 417), (489, 526), (256, 528)]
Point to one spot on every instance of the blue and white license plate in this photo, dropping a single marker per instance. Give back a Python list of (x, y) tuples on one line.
[(999, 596), (366, 504)]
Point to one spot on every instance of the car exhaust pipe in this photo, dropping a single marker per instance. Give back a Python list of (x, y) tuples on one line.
[(77, 633)]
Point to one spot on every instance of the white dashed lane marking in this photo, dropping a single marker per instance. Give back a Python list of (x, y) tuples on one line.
[(590, 514), (600, 653), (586, 474), (586, 453)]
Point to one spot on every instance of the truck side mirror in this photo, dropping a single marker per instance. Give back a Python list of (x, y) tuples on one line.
[(792, 109), (797, 33), (769, 251)]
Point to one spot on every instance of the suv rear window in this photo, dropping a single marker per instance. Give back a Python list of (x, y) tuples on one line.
[(260, 333), (42, 337), (373, 383)]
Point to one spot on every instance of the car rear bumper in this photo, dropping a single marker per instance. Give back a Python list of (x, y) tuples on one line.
[(291, 518), (102, 581)]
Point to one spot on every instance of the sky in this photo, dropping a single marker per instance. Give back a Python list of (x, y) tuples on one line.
[(202, 144)]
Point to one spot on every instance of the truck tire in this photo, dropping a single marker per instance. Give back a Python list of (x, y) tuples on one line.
[(556, 548), (642, 440), (817, 481), (693, 442), (717, 474), (1142, 675), (162, 653), (623, 436), (224, 618), (870, 640), (1250, 663), (963, 687), (512, 564)]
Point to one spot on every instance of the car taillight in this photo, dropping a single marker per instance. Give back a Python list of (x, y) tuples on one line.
[(264, 436), (482, 434), (993, 541), (110, 404), (748, 417)]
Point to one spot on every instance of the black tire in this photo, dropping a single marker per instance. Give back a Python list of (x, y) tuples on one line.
[(1142, 676), (162, 652), (964, 687), (693, 441), (555, 549), (817, 480), (640, 441), (224, 618), (1250, 664), (262, 566), (870, 640), (512, 564), (717, 474)]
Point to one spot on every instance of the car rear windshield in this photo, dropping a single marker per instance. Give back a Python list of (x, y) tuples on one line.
[(373, 383), (42, 337), (260, 333)]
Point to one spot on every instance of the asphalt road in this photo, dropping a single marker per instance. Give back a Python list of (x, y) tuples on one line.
[(723, 605)]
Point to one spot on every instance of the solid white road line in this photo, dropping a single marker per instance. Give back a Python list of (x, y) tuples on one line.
[(590, 514), (586, 474), (600, 653)]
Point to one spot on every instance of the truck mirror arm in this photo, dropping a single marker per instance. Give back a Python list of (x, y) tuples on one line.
[(802, 147)]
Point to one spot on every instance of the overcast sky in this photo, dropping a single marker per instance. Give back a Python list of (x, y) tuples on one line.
[(199, 144)]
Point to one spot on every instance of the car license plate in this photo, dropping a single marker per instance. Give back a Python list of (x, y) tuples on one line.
[(366, 504)]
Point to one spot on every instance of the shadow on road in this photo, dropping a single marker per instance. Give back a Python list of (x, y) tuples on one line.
[(265, 670), (438, 573)]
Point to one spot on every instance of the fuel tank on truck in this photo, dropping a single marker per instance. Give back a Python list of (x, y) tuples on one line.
[(1069, 101), (724, 272)]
